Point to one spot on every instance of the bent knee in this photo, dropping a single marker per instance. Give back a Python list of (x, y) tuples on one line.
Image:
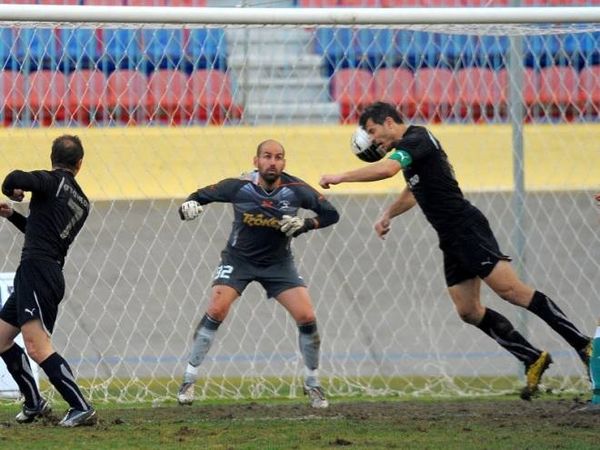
[(306, 318)]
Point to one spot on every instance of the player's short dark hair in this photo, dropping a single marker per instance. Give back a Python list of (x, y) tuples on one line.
[(67, 151), (378, 112), (261, 145)]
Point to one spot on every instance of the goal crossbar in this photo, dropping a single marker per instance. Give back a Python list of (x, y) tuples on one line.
[(295, 16)]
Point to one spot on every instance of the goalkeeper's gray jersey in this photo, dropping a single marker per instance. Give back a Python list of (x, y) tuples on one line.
[(255, 234)]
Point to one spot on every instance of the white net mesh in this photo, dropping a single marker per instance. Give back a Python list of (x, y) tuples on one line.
[(164, 110)]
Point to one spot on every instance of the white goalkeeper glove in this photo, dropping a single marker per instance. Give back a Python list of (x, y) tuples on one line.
[(290, 225), (190, 210)]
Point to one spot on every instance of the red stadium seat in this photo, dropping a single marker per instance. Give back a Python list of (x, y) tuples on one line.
[(87, 95), (589, 90), (318, 3), (559, 90), (12, 88), (396, 86), (480, 93), (353, 90), (46, 96), (127, 96), (209, 97), (167, 96), (187, 3), (105, 2), (529, 87), (435, 89), (58, 2), (147, 2)]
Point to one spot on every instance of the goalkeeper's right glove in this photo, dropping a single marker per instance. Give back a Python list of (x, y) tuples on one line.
[(190, 210)]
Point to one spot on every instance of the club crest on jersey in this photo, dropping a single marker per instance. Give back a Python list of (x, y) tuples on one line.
[(283, 205), (260, 220)]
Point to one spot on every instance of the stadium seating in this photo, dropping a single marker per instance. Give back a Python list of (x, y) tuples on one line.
[(7, 41), (559, 91), (87, 91), (167, 89), (353, 90), (161, 48), (209, 97), (396, 86), (12, 88), (80, 48), (37, 48), (127, 97), (435, 89), (589, 90), (205, 48), (45, 97), (480, 94)]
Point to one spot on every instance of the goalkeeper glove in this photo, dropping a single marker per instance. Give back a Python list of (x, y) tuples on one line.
[(290, 225), (190, 210)]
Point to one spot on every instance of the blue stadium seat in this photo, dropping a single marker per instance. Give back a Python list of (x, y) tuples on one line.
[(121, 49), (335, 45), (458, 50), (7, 58), (38, 48), (417, 49), (372, 48), (162, 48), (492, 51), (80, 48), (206, 48)]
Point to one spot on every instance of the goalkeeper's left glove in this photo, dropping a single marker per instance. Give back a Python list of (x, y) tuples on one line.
[(290, 225), (190, 210)]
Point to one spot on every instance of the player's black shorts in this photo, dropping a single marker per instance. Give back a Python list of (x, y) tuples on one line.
[(471, 251), (39, 287), (238, 273)]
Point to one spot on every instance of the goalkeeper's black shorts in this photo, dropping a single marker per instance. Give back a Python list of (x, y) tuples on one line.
[(471, 251), (39, 287), (237, 272)]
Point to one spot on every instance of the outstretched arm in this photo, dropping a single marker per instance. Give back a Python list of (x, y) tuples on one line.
[(13, 216), (375, 172), (404, 202)]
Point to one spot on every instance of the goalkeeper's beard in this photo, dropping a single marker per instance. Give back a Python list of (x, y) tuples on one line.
[(270, 178)]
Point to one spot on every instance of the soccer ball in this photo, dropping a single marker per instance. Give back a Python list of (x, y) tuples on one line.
[(364, 148)]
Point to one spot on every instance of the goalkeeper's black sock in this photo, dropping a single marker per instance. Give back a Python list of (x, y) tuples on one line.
[(18, 366), (502, 331), (309, 342), (543, 307), (60, 375)]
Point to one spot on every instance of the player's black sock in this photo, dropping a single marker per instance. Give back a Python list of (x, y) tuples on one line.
[(542, 306), (309, 342), (502, 331), (60, 375), (18, 366)]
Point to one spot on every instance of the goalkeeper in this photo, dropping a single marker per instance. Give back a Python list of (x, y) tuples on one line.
[(57, 211), (470, 250), (265, 204)]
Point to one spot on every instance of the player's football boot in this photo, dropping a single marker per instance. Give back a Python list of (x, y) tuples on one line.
[(586, 354), (316, 396), (185, 395), (533, 373), (28, 415), (78, 418)]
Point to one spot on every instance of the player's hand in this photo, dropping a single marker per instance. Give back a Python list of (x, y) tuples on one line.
[(5, 210), (597, 197), (383, 226), (17, 195), (190, 210), (327, 180), (290, 225)]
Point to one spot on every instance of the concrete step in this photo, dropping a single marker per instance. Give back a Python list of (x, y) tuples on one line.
[(268, 41), (291, 113), (255, 66), (283, 90)]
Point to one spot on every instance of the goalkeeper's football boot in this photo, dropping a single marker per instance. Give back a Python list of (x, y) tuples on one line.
[(78, 418), (316, 396), (586, 354), (533, 373), (27, 415), (185, 395)]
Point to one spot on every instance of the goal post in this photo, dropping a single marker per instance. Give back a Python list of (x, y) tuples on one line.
[(167, 100)]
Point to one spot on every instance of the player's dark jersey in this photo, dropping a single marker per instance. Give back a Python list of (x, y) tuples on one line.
[(431, 179), (57, 212), (255, 233)]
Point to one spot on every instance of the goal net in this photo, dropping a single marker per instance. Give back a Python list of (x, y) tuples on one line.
[(165, 108)]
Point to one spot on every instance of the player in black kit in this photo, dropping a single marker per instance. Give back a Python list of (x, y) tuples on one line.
[(265, 204), (57, 212), (470, 250)]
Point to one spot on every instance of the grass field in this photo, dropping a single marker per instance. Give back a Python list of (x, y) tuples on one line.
[(470, 423)]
